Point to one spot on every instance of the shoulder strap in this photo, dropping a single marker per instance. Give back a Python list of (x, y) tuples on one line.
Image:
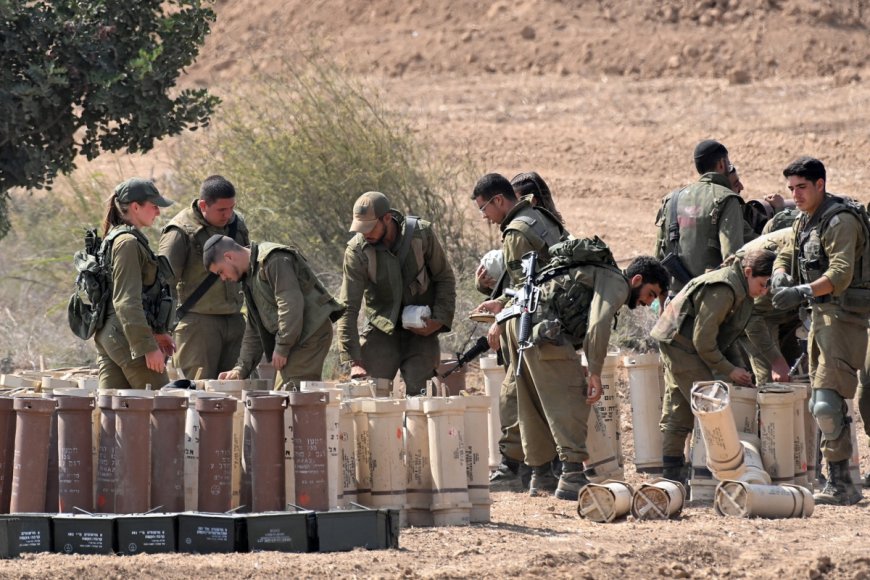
[(207, 283), (410, 227)]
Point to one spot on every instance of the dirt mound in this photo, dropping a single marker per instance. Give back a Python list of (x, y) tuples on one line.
[(739, 40)]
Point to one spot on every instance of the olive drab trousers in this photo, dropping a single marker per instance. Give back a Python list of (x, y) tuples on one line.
[(551, 401), (682, 369), (208, 342), (305, 362), (385, 354), (511, 443), (118, 368)]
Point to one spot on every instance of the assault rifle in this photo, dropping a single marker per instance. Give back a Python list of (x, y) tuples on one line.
[(477, 349), (524, 305)]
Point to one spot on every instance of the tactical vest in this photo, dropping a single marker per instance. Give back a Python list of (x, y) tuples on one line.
[(677, 323), (157, 300), (699, 207), (541, 228), (393, 285), (782, 219), (223, 297), (319, 303)]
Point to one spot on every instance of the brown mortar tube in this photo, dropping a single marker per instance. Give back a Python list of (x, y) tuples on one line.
[(133, 445), (32, 439), (106, 457), (7, 451), (167, 453), (267, 451), (75, 417), (215, 490), (51, 478), (245, 499), (310, 449)]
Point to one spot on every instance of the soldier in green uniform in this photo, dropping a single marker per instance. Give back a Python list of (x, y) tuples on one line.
[(698, 337), (525, 228), (552, 393), (210, 325), (829, 260), (393, 262), (290, 313), (134, 341), (709, 226)]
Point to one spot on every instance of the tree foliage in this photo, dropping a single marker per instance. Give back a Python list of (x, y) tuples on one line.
[(86, 76)]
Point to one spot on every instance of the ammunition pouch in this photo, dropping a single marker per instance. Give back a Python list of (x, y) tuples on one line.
[(855, 300)]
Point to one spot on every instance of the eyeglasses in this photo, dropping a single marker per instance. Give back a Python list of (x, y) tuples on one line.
[(483, 207)]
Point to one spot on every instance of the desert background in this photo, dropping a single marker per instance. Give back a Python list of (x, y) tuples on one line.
[(606, 100)]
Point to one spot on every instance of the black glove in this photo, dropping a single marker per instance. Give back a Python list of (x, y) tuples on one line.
[(781, 280), (790, 298)]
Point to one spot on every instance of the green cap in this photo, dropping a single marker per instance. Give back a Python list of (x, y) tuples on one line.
[(140, 190), (368, 209)]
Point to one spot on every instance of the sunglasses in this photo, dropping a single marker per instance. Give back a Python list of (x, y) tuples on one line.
[(482, 208)]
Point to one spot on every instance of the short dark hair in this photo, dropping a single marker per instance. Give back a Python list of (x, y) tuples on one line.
[(707, 154), (215, 247), (491, 185), (215, 187), (760, 261), (651, 271), (809, 168)]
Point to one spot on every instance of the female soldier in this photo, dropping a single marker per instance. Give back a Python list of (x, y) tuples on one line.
[(134, 342)]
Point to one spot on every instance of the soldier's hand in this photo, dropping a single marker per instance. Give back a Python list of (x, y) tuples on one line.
[(357, 370), (278, 361), (484, 280), (432, 326), (493, 336), (593, 389), (156, 361), (779, 371), (165, 344), (776, 201), (791, 298), (740, 376), (490, 306), (232, 375), (780, 280)]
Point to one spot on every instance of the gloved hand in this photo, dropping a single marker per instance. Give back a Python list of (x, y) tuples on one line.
[(789, 298), (780, 280)]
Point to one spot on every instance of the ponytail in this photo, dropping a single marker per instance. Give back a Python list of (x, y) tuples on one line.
[(115, 214)]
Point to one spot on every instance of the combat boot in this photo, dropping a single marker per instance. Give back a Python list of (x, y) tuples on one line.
[(506, 470), (866, 481), (542, 480), (674, 468), (571, 481), (839, 490)]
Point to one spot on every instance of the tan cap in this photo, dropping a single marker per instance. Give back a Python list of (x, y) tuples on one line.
[(369, 207), (140, 190)]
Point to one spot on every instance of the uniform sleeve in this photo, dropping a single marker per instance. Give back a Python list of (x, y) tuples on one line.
[(353, 285), (516, 245), (758, 333), (128, 261), (786, 255), (252, 349), (660, 249), (731, 224), (842, 241), (173, 245), (443, 281), (712, 305), (280, 271), (610, 292)]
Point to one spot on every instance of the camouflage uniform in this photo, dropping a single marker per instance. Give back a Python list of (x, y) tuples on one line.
[(290, 314), (126, 336), (711, 222), (524, 229), (698, 335), (209, 337), (424, 278), (833, 243)]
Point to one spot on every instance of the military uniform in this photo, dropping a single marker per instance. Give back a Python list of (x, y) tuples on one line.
[(551, 387), (770, 332), (698, 337), (525, 228), (127, 335), (711, 222), (290, 314), (833, 243), (423, 278), (209, 336)]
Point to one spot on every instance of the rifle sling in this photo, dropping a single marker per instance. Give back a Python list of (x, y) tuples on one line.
[(206, 284)]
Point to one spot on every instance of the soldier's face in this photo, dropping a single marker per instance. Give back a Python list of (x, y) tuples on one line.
[(643, 294), (142, 215), (219, 213), (376, 234), (229, 269), (491, 209), (807, 195), (758, 285)]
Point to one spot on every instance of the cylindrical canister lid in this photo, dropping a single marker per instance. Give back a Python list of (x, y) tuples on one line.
[(74, 403), (710, 396), (266, 402), (308, 398), (170, 403)]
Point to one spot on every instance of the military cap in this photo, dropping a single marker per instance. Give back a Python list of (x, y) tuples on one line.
[(368, 209), (140, 190)]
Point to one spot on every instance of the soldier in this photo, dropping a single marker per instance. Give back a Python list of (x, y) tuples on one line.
[(552, 393), (524, 228), (698, 337), (210, 325), (134, 341), (829, 260), (701, 224), (394, 261), (290, 313)]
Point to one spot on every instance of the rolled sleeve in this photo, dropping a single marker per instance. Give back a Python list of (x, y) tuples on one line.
[(842, 240)]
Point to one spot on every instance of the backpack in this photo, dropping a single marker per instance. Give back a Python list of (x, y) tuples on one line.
[(86, 310), (563, 296)]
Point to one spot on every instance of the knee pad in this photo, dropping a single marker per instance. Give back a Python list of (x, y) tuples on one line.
[(827, 407)]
